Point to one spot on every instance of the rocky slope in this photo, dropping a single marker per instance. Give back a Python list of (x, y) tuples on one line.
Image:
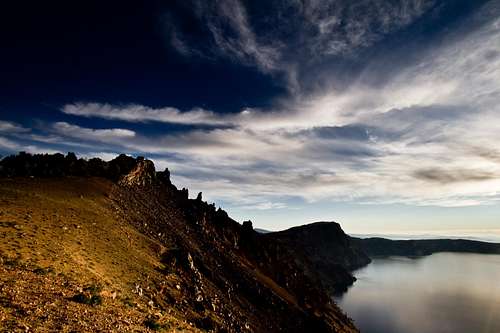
[(325, 253), (115, 246)]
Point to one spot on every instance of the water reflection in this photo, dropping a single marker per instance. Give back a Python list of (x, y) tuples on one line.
[(445, 292)]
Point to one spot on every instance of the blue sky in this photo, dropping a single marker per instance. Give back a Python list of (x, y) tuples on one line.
[(381, 115)]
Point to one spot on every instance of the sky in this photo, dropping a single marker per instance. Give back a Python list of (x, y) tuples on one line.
[(381, 115)]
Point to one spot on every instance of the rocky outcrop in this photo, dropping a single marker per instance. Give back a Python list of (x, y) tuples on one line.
[(143, 174), (325, 253), (58, 165), (237, 277)]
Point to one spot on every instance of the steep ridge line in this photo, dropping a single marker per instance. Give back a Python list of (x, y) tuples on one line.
[(197, 265), (247, 259)]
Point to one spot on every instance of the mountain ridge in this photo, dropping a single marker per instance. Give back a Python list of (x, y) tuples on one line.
[(125, 246), (378, 246), (122, 227)]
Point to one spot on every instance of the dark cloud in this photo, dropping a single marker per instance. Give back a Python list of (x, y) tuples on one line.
[(443, 176), (486, 153), (344, 152), (491, 54), (352, 132)]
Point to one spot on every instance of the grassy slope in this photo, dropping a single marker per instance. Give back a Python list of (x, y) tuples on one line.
[(86, 237), (58, 237)]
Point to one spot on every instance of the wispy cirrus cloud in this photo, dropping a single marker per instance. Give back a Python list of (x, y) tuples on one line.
[(75, 131), (293, 38), (15, 146), (12, 127), (9, 144), (139, 113), (234, 36), (343, 26), (230, 31)]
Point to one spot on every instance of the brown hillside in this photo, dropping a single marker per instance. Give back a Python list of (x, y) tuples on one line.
[(91, 254)]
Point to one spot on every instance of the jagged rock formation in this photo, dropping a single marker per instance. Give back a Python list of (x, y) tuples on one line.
[(58, 165), (228, 268), (198, 263), (143, 174), (325, 253)]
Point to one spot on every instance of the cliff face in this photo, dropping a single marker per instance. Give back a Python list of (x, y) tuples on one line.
[(325, 252), (170, 256), (230, 270)]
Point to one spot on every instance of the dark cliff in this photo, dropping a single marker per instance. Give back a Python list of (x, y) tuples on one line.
[(325, 252)]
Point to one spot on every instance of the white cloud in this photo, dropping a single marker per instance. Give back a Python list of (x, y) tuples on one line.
[(231, 33), (244, 45), (105, 156), (303, 34), (428, 116), (139, 113), (344, 26), (9, 144), (15, 147), (11, 127), (91, 134)]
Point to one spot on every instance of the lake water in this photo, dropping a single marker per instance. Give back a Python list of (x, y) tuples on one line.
[(441, 293)]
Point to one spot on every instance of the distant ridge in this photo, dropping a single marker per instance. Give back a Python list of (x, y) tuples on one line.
[(377, 246), (488, 238)]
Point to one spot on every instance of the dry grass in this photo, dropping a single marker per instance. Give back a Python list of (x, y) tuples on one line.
[(60, 236)]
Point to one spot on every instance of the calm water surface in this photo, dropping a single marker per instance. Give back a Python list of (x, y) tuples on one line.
[(441, 293)]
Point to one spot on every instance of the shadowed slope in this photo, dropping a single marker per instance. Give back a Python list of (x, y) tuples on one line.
[(326, 253), (150, 255)]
